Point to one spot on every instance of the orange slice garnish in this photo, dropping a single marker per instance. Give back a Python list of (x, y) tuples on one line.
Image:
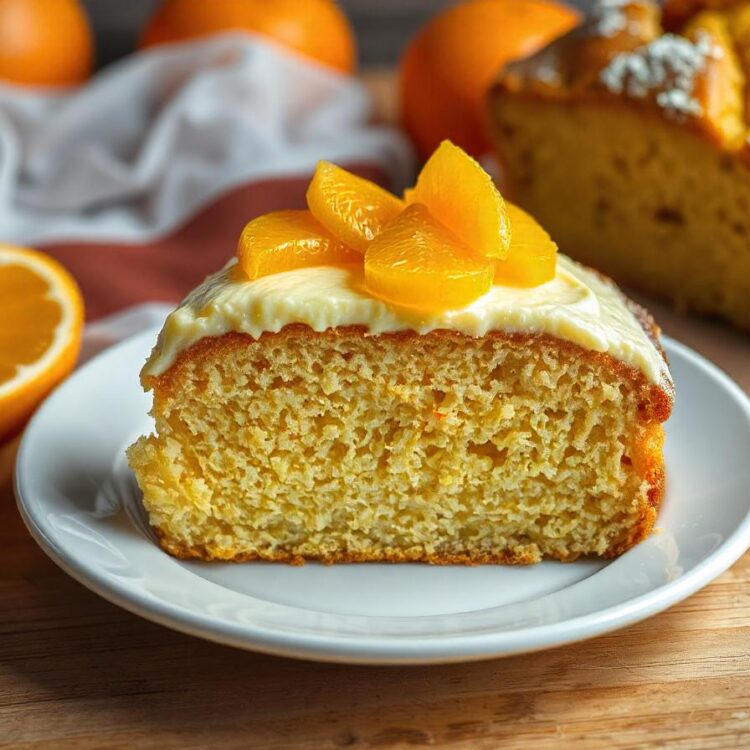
[(42, 313), (532, 256), (285, 240), (350, 207), (463, 197), (417, 262)]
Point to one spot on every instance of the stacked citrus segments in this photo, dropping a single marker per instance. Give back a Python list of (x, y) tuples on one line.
[(440, 248)]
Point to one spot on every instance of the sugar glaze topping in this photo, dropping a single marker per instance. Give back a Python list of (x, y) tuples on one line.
[(609, 17), (666, 67)]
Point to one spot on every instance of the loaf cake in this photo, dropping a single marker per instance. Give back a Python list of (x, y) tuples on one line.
[(627, 139), (451, 391)]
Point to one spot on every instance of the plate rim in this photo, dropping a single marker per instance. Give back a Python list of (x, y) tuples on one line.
[(366, 649)]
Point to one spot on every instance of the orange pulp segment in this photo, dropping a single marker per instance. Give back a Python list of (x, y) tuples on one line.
[(350, 207), (285, 240), (42, 311), (532, 257), (463, 197), (416, 262)]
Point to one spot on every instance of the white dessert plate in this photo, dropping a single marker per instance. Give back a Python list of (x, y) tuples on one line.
[(82, 506)]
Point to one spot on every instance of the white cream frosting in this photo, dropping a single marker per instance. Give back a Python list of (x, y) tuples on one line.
[(577, 306)]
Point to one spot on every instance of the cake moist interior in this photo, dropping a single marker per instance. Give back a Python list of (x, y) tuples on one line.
[(343, 446)]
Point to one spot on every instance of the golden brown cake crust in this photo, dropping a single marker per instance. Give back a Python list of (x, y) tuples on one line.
[(641, 531), (183, 552), (569, 68)]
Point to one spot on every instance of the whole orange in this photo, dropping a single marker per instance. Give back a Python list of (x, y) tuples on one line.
[(44, 42), (451, 62), (314, 28)]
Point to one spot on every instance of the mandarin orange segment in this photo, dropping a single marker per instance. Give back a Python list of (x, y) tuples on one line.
[(532, 257), (352, 208), (285, 240), (461, 195), (416, 262)]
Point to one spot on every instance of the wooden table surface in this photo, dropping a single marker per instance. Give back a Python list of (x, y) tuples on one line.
[(77, 672)]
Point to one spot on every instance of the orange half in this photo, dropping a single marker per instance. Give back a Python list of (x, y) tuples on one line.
[(42, 313)]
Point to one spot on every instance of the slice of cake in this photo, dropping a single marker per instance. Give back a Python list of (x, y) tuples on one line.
[(629, 143), (440, 387)]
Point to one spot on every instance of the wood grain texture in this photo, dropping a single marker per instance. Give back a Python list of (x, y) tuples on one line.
[(77, 672)]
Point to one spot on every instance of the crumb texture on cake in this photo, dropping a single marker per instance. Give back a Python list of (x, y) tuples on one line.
[(343, 446)]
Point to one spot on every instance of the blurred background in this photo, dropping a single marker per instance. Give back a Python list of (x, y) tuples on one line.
[(383, 27)]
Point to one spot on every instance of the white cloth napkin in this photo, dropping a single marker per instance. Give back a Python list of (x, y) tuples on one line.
[(136, 152)]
